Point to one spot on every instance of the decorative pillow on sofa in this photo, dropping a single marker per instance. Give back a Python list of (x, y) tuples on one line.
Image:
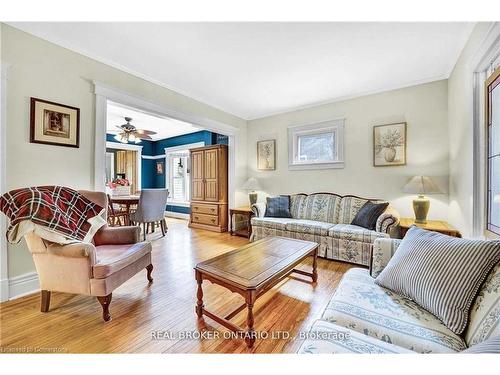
[(278, 206), (440, 273), (368, 214)]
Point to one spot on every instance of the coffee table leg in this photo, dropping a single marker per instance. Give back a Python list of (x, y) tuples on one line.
[(250, 335), (315, 266), (199, 295)]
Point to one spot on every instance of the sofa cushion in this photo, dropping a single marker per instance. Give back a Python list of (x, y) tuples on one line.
[(278, 206), (354, 233), (368, 215), (349, 207), (271, 222), (112, 258), (328, 338), (442, 274), (365, 307), (318, 207), (309, 226), (484, 319)]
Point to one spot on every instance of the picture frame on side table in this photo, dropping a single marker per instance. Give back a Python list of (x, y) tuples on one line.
[(389, 145), (54, 123), (266, 155)]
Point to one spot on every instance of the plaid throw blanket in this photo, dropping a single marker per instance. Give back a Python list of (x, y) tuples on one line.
[(55, 213)]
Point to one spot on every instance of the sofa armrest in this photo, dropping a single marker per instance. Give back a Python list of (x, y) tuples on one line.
[(74, 250), (117, 235), (388, 220), (382, 252), (259, 209)]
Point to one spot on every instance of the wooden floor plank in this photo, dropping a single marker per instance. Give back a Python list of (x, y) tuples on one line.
[(74, 323)]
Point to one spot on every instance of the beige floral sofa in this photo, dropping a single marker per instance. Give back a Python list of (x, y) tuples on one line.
[(363, 317), (326, 218)]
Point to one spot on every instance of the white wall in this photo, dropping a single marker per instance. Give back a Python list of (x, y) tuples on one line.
[(41, 69), (461, 131), (423, 107)]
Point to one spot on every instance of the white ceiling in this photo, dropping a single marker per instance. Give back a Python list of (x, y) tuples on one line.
[(164, 127), (256, 69)]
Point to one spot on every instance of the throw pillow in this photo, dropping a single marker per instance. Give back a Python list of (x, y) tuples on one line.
[(278, 206), (442, 274), (490, 346), (368, 214)]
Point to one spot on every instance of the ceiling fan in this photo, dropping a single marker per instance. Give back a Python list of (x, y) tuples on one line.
[(129, 133)]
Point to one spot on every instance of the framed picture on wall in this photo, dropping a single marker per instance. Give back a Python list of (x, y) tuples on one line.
[(159, 167), (266, 155), (54, 123), (389, 145)]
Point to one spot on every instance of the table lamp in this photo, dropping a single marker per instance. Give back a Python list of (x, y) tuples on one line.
[(251, 185), (421, 185)]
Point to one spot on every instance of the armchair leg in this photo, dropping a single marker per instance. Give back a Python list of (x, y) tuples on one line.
[(162, 228), (45, 301), (105, 301), (150, 269), (144, 230)]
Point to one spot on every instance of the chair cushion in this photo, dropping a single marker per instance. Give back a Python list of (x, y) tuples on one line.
[(442, 274), (309, 226), (112, 258), (363, 306), (328, 338), (354, 233), (490, 346)]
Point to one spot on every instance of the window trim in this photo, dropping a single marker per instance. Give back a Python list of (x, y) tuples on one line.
[(294, 132), (494, 78)]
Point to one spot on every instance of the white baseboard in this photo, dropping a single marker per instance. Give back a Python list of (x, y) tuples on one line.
[(4, 290), (23, 285), (177, 215)]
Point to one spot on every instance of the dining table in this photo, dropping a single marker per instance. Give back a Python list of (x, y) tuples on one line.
[(127, 201)]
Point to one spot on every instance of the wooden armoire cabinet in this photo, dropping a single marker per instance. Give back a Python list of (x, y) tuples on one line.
[(209, 188)]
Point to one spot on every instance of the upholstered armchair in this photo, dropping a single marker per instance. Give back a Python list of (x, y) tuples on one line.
[(95, 269)]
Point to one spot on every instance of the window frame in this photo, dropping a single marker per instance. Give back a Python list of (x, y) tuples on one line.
[(491, 230), (331, 126), (171, 177)]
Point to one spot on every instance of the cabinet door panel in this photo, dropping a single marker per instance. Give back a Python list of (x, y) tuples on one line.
[(197, 169), (210, 175)]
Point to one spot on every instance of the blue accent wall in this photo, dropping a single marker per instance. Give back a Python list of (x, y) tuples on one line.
[(153, 180)]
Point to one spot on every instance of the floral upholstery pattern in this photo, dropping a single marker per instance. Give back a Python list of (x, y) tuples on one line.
[(387, 221), (321, 207), (383, 250), (349, 207), (309, 226), (355, 233), (363, 306), (484, 319), (325, 337)]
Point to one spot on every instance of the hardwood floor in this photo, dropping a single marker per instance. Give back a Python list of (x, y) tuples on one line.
[(74, 325)]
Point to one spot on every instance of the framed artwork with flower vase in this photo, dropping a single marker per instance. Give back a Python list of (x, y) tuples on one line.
[(389, 145)]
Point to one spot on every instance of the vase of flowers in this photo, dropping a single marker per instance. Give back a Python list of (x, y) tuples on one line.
[(387, 142)]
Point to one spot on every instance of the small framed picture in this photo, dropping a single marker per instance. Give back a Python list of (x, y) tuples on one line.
[(54, 124), (266, 155), (159, 167), (389, 145)]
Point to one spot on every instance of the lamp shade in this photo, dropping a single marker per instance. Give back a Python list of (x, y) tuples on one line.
[(421, 185), (251, 184)]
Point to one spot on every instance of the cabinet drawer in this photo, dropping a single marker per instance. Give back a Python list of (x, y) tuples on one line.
[(209, 209), (204, 219)]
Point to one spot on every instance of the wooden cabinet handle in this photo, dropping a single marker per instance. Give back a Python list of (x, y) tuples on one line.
[(213, 220)]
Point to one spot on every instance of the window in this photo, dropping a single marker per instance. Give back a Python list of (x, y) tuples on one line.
[(178, 175), (492, 97), (316, 146)]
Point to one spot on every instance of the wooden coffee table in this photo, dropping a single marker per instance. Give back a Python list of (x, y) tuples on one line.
[(251, 271)]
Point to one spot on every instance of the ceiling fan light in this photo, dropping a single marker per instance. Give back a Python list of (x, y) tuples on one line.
[(132, 138), (137, 140), (118, 137)]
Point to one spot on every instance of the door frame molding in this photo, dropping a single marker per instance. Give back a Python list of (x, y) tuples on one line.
[(105, 93), (4, 255), (138, 157)]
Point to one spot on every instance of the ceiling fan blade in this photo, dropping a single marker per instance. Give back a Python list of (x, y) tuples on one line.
[(143, 131), (143, 136), (119, 127)]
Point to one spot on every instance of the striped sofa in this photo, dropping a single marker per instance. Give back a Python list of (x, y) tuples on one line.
[(363, 317), (326, 218)]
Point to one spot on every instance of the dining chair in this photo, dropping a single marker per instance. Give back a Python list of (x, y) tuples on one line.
[(116, 214), (151, 210)]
